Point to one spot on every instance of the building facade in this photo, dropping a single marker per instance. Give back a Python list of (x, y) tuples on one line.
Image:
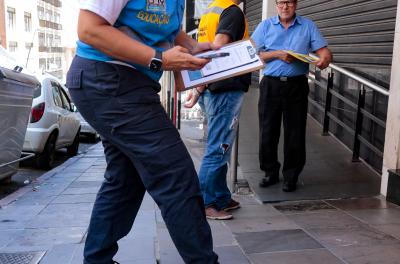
[(3, 39), (33, 34)]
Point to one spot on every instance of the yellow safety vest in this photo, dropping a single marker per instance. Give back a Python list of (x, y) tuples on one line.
[(210, 19)]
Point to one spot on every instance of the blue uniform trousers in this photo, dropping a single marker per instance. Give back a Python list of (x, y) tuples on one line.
[(143, 152)]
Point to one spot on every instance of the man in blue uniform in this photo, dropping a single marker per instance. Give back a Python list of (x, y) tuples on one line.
[(123, 47), (284, 90)]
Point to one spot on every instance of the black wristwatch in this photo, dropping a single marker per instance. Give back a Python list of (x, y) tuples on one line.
[(156, 62)]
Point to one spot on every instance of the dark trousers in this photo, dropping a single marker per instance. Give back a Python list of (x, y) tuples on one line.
[(144, 152), (287, 99)]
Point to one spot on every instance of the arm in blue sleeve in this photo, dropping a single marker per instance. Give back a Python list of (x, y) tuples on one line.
[(258, 36), (317, 40)]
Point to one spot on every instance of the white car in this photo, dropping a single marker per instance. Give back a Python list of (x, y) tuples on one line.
[(53, 124)]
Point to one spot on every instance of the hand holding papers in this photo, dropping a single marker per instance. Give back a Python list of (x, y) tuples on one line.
[(302, 57), (234, 59)]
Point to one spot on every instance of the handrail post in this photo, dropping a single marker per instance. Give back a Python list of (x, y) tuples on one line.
[(359, 122), (169, 95), (179, 110), (328, 104), (234, 161)]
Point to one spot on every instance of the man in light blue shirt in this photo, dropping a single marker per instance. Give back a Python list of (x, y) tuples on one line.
[(284, 90)]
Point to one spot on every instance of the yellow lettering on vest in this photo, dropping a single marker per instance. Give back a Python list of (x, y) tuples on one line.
[(140, 15), (153, 18)]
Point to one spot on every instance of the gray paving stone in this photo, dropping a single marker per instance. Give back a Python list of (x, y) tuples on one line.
[(85, 184), (231, 255), (302, 207), (378, 216), (144, 225), (361, 203), (244, 225), (85, 178), (85, 190), (77, 257), (310, 256), (7, 236), (20, 212), (167, 251), (280, 240), (351, 236), (325, 219), (142, 249), (59, 220), (48, 237), (60, 254), (222, 235), (255, 211), (87, 160), (98, 174), (96, 170), (75, 198), (388, 254), (391, 230), (34, 199)]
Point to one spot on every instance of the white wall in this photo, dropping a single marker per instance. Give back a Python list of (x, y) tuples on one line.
[(391, 156), (269, 9)]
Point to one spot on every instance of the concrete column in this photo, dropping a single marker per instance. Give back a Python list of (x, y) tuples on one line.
[(391, 156), (268, 9)]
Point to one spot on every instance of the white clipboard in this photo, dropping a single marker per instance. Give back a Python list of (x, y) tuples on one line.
[(242, 59)]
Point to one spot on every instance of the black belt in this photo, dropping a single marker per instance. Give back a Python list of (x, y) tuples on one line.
[(286, 79)]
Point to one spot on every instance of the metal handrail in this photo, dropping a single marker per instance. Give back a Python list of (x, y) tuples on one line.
[(358, 78), (364, 84)]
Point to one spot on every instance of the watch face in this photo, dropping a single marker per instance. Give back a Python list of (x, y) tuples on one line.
[(155, 64)]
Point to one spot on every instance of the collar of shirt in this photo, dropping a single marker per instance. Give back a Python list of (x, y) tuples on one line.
[(297, 19)]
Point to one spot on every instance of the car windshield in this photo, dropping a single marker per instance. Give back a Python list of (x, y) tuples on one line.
[(37, 91)]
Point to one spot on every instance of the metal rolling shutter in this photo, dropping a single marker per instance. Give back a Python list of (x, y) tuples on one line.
[(253, 12), (360, 33)]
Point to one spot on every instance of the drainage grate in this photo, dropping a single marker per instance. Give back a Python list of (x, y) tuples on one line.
[(21, 257)]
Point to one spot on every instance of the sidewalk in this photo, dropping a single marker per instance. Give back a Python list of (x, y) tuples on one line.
[(50, 217)]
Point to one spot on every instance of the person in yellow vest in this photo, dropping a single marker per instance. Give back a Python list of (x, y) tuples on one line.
[(223, 22)]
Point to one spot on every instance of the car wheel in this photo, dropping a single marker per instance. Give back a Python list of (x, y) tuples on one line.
[(73, 149), (45, 160)]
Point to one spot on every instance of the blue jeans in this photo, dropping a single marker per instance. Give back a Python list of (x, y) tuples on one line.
[(222, 111)]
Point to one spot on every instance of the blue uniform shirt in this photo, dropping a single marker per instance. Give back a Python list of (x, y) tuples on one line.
[(154, 23), (302, 36)]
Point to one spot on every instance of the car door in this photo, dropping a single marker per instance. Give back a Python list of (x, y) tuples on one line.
[(72, 122), (61, 113)]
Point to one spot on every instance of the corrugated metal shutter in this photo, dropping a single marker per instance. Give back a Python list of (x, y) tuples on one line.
[(360, 33), (253, 12)]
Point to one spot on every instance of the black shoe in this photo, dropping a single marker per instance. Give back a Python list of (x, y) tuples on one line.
[(266, 182), (289, 186)]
